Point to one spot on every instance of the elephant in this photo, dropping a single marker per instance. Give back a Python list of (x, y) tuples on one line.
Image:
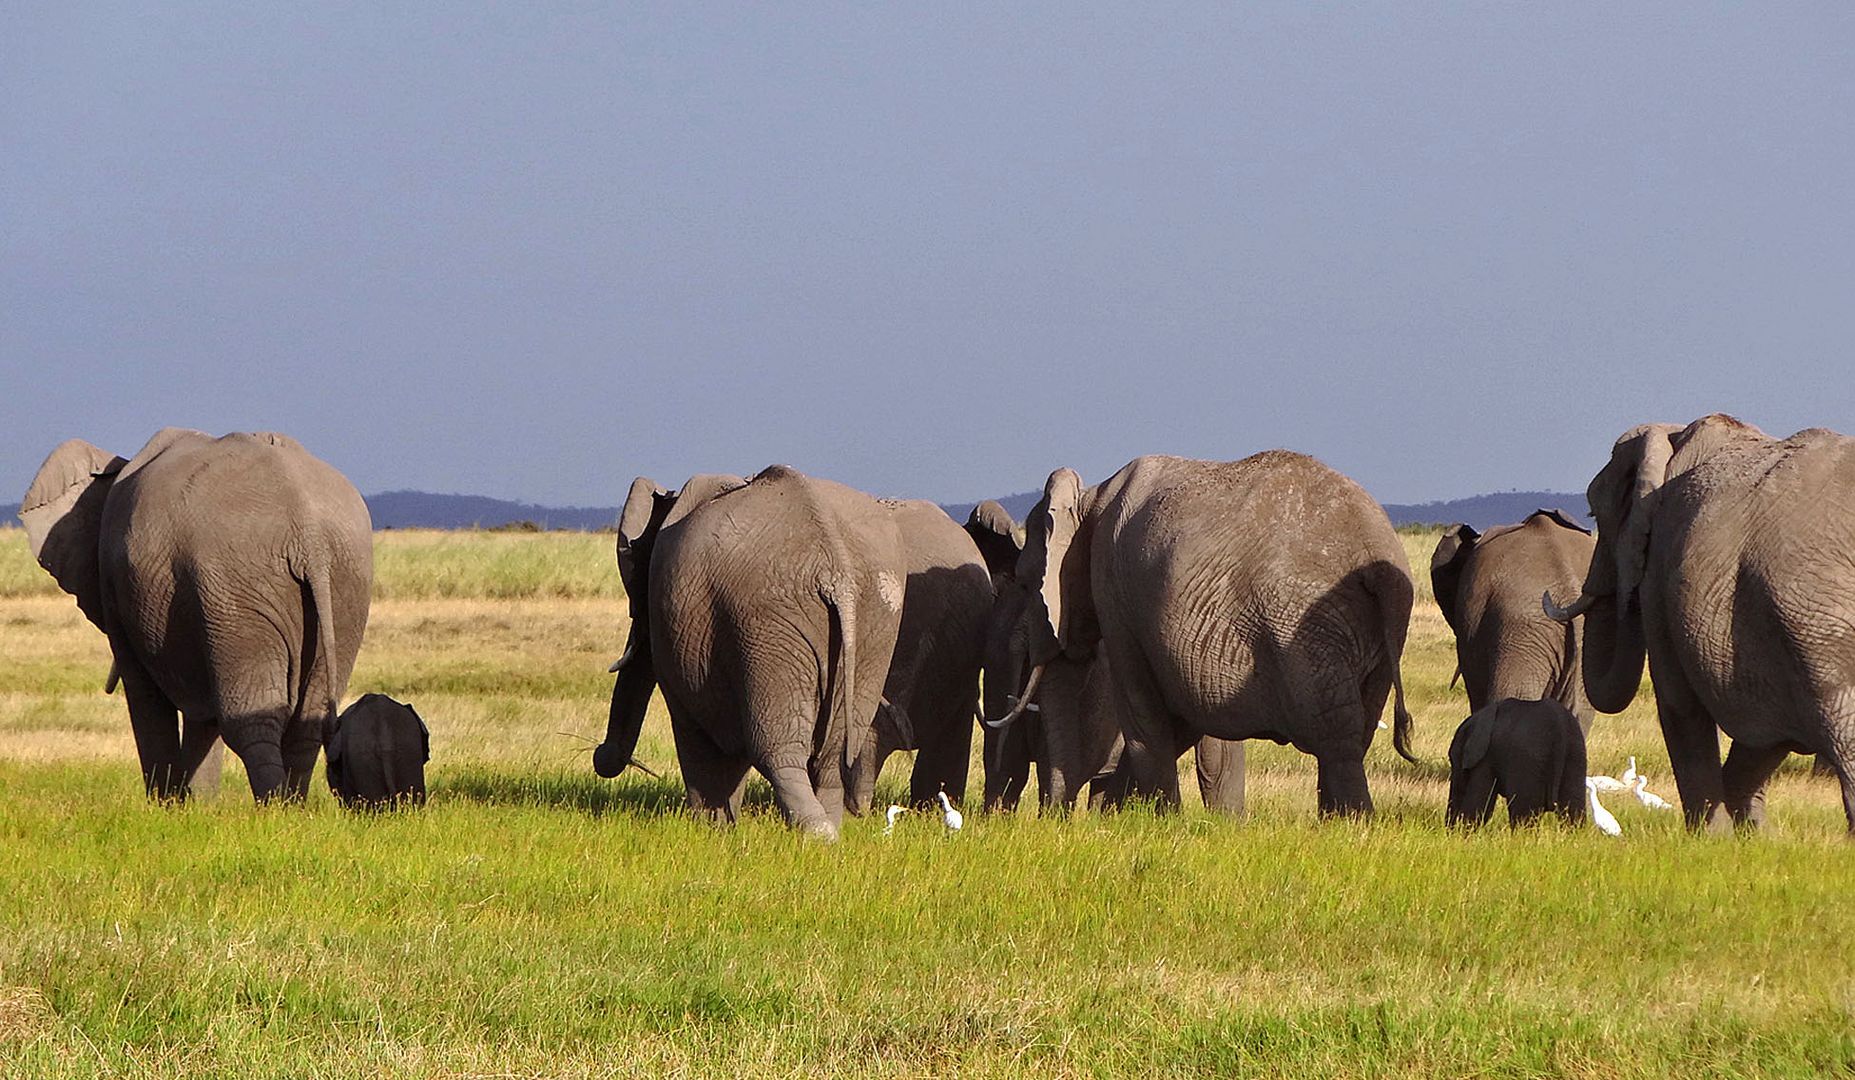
[(1488, 586), (377, 752), (1723, 557), (1261, 598), (232, 578), (1529, 752), (932, 692), (768, 611), (1073, 734)]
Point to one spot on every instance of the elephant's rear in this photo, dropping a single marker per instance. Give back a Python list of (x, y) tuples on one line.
[(1305, 571)]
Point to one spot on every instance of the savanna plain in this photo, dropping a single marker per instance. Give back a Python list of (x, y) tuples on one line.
[(534, 920)]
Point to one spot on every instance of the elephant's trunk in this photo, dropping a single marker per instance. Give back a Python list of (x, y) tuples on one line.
[(631, 697), (1023, 704), (1613, 653)]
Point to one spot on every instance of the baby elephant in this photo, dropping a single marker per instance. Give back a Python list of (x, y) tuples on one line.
[(1531, 752), (377, 754)]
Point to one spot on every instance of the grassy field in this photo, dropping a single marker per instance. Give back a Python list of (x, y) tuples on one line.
[(536, 921)]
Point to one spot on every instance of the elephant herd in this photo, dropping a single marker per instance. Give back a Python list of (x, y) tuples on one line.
[(807, 631)]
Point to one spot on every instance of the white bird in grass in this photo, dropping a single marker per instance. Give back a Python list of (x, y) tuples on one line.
[(894, 812), (952, 817), (1630, 774), (1605, 821), (1649, 798), (1609, 785)]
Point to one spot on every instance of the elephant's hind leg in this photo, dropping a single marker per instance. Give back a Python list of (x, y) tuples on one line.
[(258, 740), (712, 780), (202, 756), (1341, 788), (1744, 775), (942, 761), (156, 724)]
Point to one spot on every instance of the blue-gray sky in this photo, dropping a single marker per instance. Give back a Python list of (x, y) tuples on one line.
[(532, 250)]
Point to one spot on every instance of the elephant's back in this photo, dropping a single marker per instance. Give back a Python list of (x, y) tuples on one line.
[(1292, 514), (1509, 571)]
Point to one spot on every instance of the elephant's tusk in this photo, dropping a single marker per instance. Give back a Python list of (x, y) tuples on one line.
[(115, 676), (645, 769), (630, 650), (1020, 705), (1559, 614)]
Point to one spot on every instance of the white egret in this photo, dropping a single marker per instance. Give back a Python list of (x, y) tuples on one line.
[(952, 817), (1649, 798), (894, 812), (1605, 821), (1609, 785), (1630, 774)]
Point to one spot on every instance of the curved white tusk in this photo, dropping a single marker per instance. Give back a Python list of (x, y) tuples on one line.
[(1566, 614), (1020, 705)]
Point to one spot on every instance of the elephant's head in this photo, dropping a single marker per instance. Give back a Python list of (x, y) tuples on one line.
[(1446, 565), (63, 516), (996, 536), (1048, 609), (1623, 499), (648, 510), (377, 752)]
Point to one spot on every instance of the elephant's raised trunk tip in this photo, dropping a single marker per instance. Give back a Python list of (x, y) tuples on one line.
[(1566, 614), (1022, 705)]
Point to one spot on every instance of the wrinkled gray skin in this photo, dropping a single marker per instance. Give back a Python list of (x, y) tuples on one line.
[(377, 752), (1530, 753), (231, 576), (1262, 598), (1723, 556), (1074, 735), (768, 613), (932, 691), (1488, 586)]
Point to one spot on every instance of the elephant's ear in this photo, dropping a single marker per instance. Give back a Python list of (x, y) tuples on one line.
[(1478, 736), (1446, 565), (1625, 493), (996, 536), (646, 507), (63, 516), (1050, 533)]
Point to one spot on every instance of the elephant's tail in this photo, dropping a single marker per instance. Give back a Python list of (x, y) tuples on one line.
[(841, 678), (1395, 594), (319, 690)]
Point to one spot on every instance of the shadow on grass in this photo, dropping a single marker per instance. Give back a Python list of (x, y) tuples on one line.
[(634, 793)]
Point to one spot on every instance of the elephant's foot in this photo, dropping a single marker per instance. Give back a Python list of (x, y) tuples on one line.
[(1342, 789)]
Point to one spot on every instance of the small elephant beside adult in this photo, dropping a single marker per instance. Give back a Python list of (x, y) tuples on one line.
[(1072, 734), (1488, 587), (1262, 598), (1530, 753), (231, 576), (1723, 557), (767, 610)]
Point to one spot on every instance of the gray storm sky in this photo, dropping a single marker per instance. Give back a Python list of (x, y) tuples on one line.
[(532, 250)]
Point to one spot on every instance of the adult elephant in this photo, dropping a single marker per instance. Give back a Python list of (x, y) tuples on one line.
[(767, 610), (231, 576), (1723, 555), (1488, 586), (1073, 732), (1262, 598), (933, 686)]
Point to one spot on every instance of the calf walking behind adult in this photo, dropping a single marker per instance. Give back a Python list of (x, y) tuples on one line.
[(1262, 598), (232, 578)]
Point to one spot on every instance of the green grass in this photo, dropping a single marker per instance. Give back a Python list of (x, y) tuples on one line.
[(536, 921)]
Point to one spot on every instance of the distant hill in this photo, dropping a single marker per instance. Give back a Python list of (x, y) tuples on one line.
[(1481, 511), (424, 510)]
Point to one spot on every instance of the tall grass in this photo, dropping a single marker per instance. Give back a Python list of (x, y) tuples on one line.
[(534, 920)]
